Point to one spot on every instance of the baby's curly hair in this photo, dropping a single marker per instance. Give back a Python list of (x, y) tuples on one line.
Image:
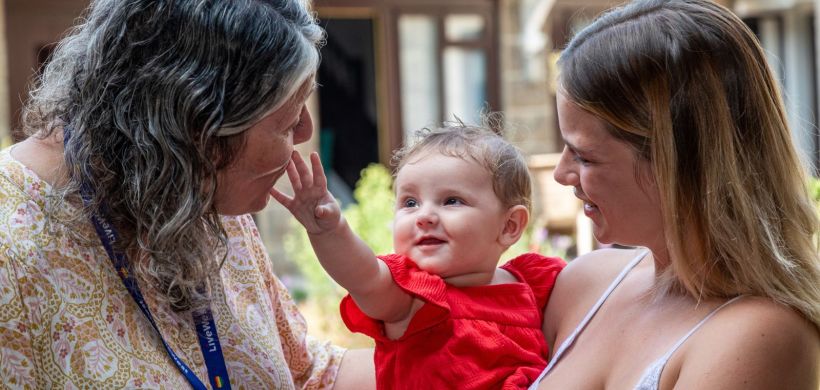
[(504, 161)]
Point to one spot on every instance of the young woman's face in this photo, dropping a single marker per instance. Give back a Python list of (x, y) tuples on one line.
[(617, 187), (448, 217), (244, 185)]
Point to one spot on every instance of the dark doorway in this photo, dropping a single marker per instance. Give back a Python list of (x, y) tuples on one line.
[(347, 103)]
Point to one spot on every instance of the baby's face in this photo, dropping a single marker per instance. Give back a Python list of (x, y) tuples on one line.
[(448, 218)]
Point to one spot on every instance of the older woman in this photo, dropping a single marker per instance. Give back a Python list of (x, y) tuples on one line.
[(677, 143), (128, 256)]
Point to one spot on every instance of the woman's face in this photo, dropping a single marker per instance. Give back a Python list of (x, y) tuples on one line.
[(244, 185), (617, 187)]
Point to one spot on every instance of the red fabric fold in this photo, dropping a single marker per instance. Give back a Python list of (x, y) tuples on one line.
[(483, 337)]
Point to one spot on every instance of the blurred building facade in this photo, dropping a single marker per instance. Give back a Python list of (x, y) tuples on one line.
[(391, 67)]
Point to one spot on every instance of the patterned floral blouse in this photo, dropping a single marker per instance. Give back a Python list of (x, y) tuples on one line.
[(67, 321)]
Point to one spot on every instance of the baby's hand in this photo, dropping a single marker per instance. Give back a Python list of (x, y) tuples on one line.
[(312, 204)]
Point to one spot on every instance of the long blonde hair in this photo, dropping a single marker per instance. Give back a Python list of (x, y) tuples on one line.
[(686, 84)]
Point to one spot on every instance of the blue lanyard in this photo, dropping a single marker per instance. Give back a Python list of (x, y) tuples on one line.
[(203, 319)]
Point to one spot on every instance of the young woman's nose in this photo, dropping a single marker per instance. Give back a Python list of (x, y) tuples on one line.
[(565, 172)]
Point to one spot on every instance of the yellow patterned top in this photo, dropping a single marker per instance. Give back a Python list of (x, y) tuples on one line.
[(67, 321)]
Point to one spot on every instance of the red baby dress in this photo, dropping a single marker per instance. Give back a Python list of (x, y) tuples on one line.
[(482, 337)]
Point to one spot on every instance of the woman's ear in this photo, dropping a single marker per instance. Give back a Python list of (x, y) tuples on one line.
[(515, 223)]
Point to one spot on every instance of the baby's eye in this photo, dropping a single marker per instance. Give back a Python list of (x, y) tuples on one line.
[(410, 202), (452, 201)]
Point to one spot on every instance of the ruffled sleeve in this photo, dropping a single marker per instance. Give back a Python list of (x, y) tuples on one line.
[(537, 271), (427, 287)]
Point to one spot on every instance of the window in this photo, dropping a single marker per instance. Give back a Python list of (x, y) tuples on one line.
[(432, 61), (446, 67)]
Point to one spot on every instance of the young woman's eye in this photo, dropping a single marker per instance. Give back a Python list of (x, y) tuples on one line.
[(579, 159), (452, 201), (575, 156), (410, 202)]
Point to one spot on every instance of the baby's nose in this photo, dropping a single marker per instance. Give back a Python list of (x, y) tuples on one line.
[(426, 219)]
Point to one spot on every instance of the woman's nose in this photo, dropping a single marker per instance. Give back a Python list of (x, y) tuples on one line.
[(564, 172), (304, 130)]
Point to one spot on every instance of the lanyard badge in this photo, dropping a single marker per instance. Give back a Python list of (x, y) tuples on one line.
[(203, 319)]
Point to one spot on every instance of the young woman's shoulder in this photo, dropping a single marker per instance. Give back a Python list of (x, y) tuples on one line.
[(754, 343), (581, 283), (592, 273)]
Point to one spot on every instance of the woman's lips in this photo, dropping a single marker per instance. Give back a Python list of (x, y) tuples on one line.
[(589, 208), (275, 175)]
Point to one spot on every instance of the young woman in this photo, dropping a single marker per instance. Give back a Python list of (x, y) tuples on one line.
[(677, 143)]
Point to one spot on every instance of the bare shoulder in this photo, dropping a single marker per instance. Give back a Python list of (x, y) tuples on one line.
[(580, 284), (754, 343), (591, 273)]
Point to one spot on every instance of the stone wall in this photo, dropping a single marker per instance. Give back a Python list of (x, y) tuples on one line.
[(525, 79)]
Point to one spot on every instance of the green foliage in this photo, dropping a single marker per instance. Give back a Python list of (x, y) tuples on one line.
[(371, 219)]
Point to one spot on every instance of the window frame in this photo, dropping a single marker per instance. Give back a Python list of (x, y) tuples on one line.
[(385, 15)]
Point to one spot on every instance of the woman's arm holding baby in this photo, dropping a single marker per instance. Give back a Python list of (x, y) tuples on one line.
[(345, 257)]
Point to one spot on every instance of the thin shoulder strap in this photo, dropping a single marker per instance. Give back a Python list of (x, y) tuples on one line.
[(696, 327), (650, 380), (571, 338)]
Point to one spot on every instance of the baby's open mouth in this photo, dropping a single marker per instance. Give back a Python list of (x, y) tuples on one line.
[(430, 241)]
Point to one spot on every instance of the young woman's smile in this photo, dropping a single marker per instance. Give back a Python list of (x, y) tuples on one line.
[(615, 185)]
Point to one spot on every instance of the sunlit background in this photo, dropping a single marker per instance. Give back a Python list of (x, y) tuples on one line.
[(391, 67)]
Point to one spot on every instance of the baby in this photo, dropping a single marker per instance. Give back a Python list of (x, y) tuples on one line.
[(442, 312)]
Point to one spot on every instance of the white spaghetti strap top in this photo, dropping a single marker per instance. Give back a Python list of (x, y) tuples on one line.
[(651, 376), (571, 339)]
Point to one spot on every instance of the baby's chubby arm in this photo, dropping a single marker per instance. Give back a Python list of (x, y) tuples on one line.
[(345, 257)]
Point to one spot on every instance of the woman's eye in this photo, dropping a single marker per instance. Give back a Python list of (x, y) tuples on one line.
[(296, 126), (575, 156), (452, 201), (580, 159)]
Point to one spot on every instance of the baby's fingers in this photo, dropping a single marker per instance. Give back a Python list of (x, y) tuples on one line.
[(321, 211), (293, 174), (302, 170), (327, 211), (281, 197), (319, 178)]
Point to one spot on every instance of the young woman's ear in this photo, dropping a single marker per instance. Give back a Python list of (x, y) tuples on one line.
[(516, 222)]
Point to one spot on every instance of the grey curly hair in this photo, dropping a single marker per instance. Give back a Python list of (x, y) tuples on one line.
[(157, 94)]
